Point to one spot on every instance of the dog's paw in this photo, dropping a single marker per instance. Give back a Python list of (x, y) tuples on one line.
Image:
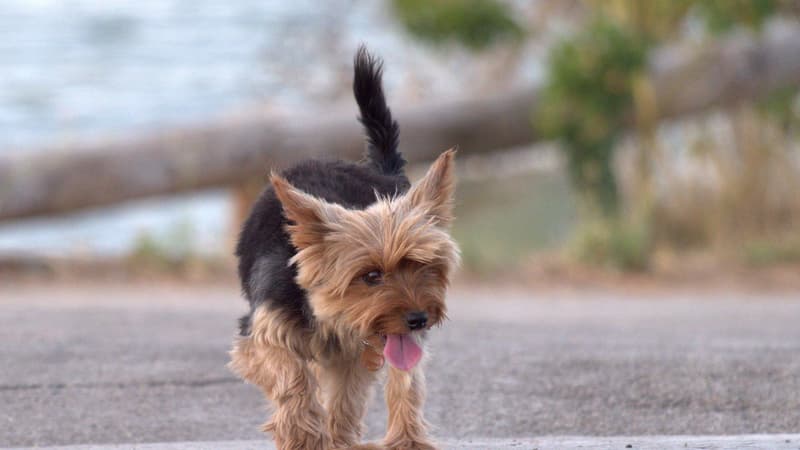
[(299, 440), (367, 446), (303, 442), (410, 445)]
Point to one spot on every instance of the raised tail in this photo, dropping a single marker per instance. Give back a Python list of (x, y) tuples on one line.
[(383, 133)]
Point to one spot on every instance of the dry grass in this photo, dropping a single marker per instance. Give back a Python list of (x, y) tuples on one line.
[(728, 184)]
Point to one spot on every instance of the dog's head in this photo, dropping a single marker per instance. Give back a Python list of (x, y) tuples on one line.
[(382, 270)]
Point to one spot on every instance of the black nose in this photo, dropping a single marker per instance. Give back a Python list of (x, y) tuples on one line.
[(417, 320)]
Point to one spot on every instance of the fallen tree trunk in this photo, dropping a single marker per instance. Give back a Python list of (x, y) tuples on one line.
[(61, 180)]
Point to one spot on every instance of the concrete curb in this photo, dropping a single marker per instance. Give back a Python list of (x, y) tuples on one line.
[(756, 441)]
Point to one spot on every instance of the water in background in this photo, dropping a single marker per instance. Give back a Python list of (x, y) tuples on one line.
[(74, 69), (77, 69)]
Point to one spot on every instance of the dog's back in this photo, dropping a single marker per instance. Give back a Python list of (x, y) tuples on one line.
[(264, 249)]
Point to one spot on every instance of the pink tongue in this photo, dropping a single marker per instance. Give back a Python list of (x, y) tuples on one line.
[(402, 351)]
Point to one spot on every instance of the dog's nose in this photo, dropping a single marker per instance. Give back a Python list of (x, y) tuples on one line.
[(417, 320)]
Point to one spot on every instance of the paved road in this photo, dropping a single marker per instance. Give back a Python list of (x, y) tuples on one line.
[(116, 363), (755, 442)]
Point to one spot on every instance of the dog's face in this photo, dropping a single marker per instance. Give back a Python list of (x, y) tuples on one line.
[(383, 270)]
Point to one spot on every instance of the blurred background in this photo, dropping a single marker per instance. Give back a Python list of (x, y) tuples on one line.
[(662, 136)]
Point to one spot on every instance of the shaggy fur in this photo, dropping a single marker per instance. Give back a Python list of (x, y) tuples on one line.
[(334, 257)]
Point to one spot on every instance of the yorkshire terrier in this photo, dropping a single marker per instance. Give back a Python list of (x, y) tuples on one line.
[(346, 265)]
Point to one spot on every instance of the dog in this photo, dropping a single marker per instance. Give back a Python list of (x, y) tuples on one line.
[(346, 265)]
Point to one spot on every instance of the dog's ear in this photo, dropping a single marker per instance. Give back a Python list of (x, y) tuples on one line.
[(310, 216), (435, 191)]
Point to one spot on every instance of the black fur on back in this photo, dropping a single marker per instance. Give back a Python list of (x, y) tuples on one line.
[(264, 248)]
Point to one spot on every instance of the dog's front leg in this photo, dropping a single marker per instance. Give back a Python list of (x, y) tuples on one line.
[(405, 395), (298, 422), (347, 386)]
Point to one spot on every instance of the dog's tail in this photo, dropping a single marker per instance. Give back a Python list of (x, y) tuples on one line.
[(383, 134)]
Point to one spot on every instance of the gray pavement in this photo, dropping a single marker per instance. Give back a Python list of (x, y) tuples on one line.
[(774, 442), (114, 364)]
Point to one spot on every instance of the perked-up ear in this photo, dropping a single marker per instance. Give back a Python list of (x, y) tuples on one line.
[(435, 191), (311, 217)]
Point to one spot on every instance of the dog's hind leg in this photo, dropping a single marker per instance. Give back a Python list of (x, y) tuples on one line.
[(405, 395), (298, 422), (347, 388)]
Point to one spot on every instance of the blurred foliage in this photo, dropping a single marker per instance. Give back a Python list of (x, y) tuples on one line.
[(650, 20), (500, 223), (723, 15), (756, 188), (657, 20), (175, 253), (474, 23), (591, 78), (763, 252), (596, 84), (783, 106), (617, 244), (168, 253), (585, 102)]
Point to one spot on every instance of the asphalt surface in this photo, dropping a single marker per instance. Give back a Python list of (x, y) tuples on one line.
[(755, 442), (115, 363)]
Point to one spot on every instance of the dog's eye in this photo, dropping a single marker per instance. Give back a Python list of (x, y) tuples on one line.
[(373, 277)]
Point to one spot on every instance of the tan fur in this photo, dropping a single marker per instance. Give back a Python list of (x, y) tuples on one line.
[(298, 420), (405, 394), (407, 239), (347, 389)]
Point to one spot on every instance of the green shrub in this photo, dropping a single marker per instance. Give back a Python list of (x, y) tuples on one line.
[(474, 23), (612, 243), (169, 252), (502, 221), (722, 15), (586, 100), (764, 252)]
